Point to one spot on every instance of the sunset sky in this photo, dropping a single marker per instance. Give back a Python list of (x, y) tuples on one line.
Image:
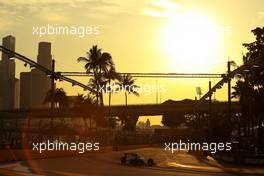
[(195, 36)]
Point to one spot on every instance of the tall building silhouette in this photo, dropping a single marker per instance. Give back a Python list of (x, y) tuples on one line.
[(35, 84), (44, 54), (25, 90), (9, 84)]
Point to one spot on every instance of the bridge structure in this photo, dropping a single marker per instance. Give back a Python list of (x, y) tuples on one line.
[(202, 105), (16, 130), (151, 109), (188, 107), (185, 106)]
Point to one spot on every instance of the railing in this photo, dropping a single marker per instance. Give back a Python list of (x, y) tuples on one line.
[(33, 64), (154, 75), (231, 75)]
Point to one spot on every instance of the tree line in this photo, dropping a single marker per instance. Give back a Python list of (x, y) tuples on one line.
[(104, 76)]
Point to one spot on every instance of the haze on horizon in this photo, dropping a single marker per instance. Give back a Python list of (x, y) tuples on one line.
[(142, 36)]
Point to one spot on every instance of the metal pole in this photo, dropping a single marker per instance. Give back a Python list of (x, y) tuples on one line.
[(52, 78), (229, 89), (210, 101), (208, 131), (52, 83)]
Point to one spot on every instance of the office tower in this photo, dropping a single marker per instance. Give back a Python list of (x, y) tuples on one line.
[(25, 90), (8, 42), (44, 54), (7, 76), (17, 94), (34, 85), (40, 82)]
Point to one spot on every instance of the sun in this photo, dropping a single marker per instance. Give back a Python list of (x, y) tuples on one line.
[(190, 42)]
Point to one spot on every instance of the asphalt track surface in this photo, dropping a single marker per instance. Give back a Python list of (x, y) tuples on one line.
[(108, 164)]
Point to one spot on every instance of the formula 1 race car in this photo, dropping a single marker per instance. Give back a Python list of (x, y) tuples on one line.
[(134, 159)]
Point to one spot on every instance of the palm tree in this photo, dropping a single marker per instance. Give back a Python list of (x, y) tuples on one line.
[(98, 63), (111, 75), (89, 107), (59, 97), (98, 84), (244, 92), (127, 83), (86, 106), (251, 89)]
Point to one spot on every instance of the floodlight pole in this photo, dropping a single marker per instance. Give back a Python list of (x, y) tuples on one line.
[(229, 88), (210, 99), (210, 104), (52, 79)]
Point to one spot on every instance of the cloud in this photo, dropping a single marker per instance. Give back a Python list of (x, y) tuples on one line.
[(55, 3), (163, 8), (34, 6), (167, 5), (16, 12), (66, 7)]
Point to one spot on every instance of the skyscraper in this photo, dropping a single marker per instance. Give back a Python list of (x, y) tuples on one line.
[(7, 76), (25, 90), (44, 54), (36, 84), (8, 42)]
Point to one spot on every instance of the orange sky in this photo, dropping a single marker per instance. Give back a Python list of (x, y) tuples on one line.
[(142, 36)]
